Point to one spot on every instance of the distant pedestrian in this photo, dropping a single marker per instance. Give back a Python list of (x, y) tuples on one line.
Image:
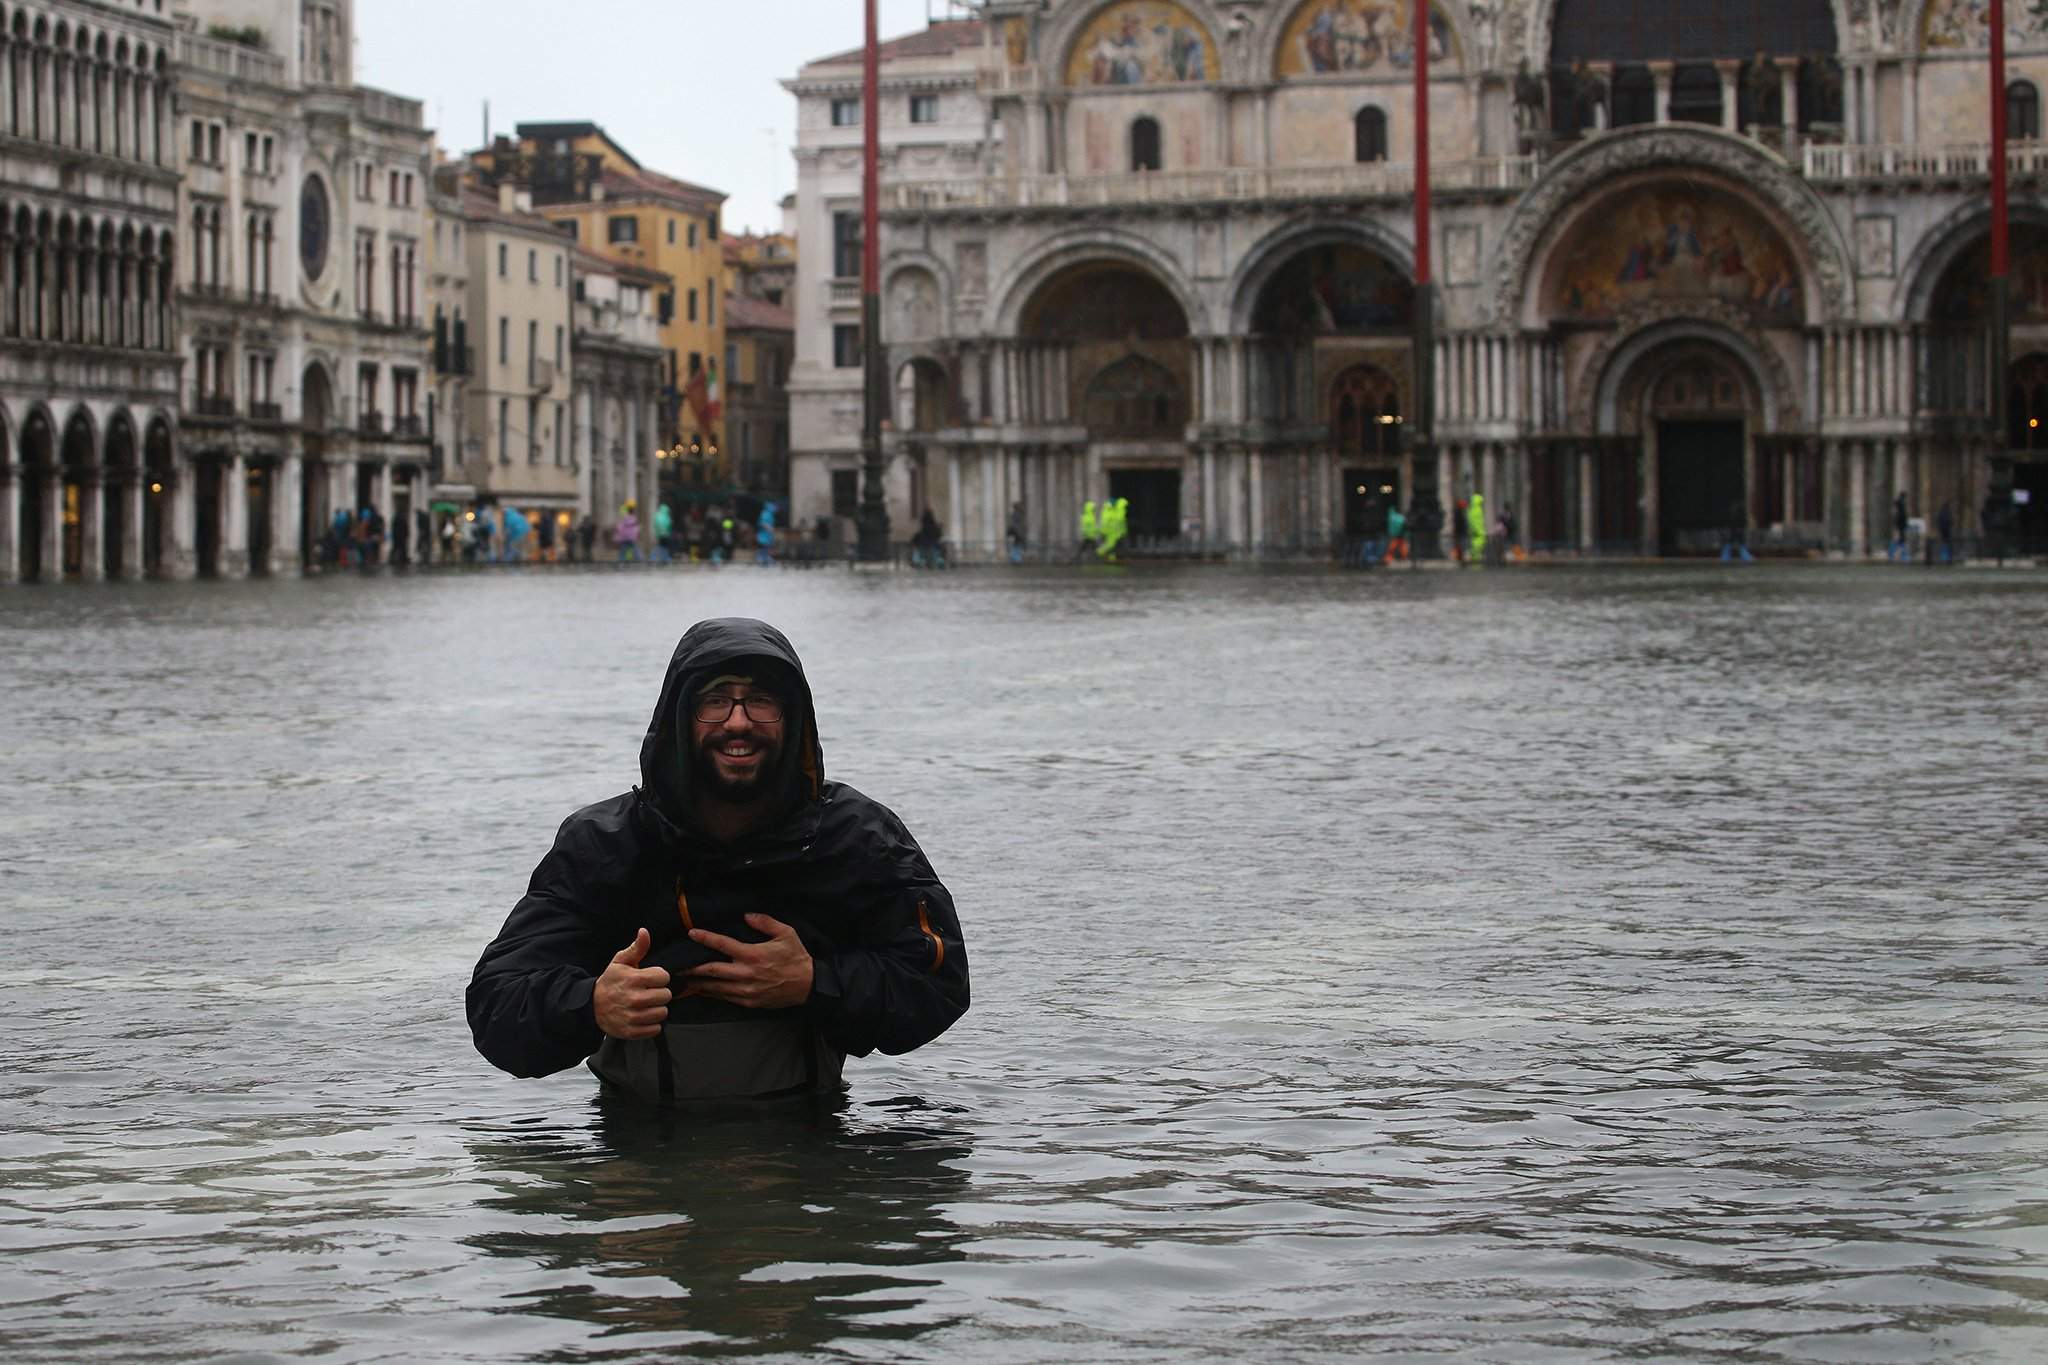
[(1397, 534), (1945, 527), (586, 536), (401, 540), (926, 547), (626, 531), (1510, 534), (1475, 526), (664, 522), (423, 535), (1091, 531), (1898, 545), (1461, 526), (544, 536), (1735, 540), (1013, 532), (449, 551)]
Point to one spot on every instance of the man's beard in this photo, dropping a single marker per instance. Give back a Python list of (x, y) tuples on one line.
[(745, 790)]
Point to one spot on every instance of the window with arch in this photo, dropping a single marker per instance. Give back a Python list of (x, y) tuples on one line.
[(2023, 110), (1145, 144), (1369, 134), (1133, 397), (1365, 412)]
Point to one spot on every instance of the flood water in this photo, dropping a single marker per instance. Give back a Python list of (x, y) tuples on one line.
[(1546, 965)]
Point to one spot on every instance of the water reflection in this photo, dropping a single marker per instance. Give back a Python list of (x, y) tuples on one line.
[(785, 1231)]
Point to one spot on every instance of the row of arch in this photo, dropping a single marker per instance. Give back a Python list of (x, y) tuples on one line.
[(75, 86), (91, 281), (1164, 42), (83, 496)]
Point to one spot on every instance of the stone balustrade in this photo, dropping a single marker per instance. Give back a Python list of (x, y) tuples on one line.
[(1389, 179)]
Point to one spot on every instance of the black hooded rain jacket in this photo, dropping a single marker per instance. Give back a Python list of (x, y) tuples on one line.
[(889, 966)]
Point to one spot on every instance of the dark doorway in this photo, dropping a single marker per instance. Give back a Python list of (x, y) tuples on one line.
[(116, 492), (312, 518), (1145, 145), (1367, 495), (156, 491), (1699, 485), (262, 480), (1155, 501), (34, 503), (2030, 508), (206, 516)]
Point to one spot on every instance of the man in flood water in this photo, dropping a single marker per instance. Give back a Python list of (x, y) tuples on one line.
[(736, 925)]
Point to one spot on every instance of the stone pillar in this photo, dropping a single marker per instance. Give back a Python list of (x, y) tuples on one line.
[(1909, 105), (1731, 106), (10, 519), (1588, 506), (1446, 479), (92, 505), (1660, 74), (1652, 539), (178, 524), (1859, 500), (234, 516), (956, 504), (1788, 467), (286, 484), (1788, 98), (132, 494), (1830, 497), (650, 465), (1210, 507), (1255, 503), (53, 525), (1490, 481), (1852, 99)]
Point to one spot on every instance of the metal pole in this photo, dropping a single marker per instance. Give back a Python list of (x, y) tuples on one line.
[(1423, 421), (874, 509), (2000, 299)]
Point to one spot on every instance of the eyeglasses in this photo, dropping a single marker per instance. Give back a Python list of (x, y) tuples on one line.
[(715, 707)]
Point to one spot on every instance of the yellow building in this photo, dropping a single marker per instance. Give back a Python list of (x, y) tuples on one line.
[(616, 207)]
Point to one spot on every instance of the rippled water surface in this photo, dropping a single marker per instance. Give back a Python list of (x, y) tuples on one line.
[(1554, 965)]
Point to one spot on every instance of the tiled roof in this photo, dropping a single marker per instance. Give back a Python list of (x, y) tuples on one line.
[(943, 38), (481, 205), (643, 184), (594, 263), (743, 313)]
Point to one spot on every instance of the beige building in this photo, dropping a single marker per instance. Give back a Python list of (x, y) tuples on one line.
[(620, 370), (517, 396), (454, 353)]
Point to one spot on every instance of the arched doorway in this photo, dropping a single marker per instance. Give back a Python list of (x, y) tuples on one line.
[(316, 416), (118, 494), (1108, 349), (921, 396), (38, 470), (156, 494), (1690, 417), (81, 482), (1366, 425)]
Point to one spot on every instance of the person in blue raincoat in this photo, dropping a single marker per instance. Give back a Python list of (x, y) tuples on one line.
[(515, 526)]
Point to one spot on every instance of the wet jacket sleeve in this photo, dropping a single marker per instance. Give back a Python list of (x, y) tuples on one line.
[(529, 1000), (904, 981)]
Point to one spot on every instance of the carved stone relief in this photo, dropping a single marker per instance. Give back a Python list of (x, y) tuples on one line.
[(1780, 390), (971, 269), (1461, 254), (1876, 244)]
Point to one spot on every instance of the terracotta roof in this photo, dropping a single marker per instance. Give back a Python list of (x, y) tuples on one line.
[(481, 205), (744, 313), (620, 184), (943, 38), (594, 263)]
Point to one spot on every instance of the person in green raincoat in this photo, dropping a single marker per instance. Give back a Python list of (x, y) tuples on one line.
[(664, 520), (1475, 519), (1113, 528), (1089, 534)]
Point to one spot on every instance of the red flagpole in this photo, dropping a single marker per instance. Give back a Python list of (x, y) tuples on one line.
[(2000, 303), (874, 508), (1422, 425)]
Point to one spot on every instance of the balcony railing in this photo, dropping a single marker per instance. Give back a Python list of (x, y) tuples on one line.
[(214, 405), (1391, 179), (236, 61), (408, 425), (843, 293), (371, 424), (1926, 161), (267, 412), (385, 107)]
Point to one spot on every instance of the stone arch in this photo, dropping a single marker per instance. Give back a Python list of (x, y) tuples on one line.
[(123, 446), (1527, 28), (1543, 217), (1286, 51), (921, 387), (316, 396), (80, 435), (1272, 254), (913, 302), (1594, 404), (1941, 246), (1064, 36), (1079, 246), (1134, 397)]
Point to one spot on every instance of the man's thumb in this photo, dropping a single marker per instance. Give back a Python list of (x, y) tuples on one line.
[(630, 955)]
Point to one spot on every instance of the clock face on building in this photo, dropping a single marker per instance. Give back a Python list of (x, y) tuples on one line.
[(313, 227)]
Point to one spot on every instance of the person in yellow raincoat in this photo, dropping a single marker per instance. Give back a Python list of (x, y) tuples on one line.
[(1475, 518), (1113, 527)]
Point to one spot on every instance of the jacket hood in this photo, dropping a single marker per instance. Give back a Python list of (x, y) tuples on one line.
[(706, 650)]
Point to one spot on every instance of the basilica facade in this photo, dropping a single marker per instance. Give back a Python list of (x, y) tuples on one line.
[(1694, 275)]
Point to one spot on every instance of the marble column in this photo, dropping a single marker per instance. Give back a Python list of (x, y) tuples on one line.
[(92, 555), (1859, 500), (1731, 104), (1255, 503), (10, 524), (234, 508), (1788, 98), (1652, 508), (286, 482), (956, 505), (53, 525), (1588, 504), (1831, 497), (1660, 74)]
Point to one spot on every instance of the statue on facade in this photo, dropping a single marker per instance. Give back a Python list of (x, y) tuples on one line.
[(1532, 100), (1484, 17), (1589, 96), (1761, 83)]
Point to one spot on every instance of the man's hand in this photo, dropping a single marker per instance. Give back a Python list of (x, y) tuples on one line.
[(763, 976), (631, 1001)]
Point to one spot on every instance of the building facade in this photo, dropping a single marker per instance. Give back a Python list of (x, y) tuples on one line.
[(1696, 274), (521, 287), (89, 428), (621, 370), (760, 350), (301, 315)]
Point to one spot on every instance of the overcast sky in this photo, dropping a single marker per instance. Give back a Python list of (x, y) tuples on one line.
[(689, 87)]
